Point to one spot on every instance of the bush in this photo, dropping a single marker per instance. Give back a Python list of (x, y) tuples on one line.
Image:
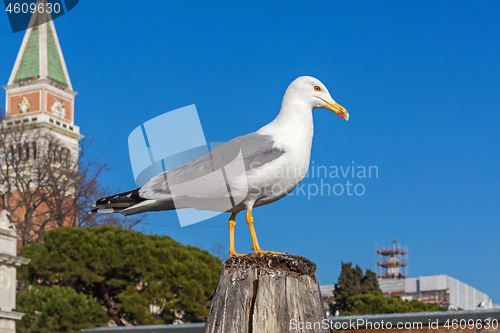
[(375, 303), (58, 309)]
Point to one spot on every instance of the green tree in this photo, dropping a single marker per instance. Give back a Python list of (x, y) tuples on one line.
[(375, 303), (58, 309), (126, 271), (353, 282)]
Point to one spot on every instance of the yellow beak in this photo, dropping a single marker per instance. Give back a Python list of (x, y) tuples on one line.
[(337, 108)]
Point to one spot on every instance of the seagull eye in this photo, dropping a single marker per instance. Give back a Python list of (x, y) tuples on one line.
[(317, 88)]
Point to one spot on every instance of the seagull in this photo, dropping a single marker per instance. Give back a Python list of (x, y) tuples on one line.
[(275, 158)]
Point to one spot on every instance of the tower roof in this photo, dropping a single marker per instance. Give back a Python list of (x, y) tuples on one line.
[(40, 56)]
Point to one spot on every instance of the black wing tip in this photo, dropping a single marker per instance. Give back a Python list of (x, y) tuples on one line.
[(124, 199)]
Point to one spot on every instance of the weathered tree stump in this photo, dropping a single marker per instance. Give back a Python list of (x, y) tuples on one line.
[(267, 293)]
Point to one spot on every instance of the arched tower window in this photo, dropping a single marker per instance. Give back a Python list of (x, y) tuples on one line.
[(20, 152), (34, 150), (27, 151)]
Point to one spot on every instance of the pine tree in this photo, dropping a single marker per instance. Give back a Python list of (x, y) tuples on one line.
[(126, 271), (358, 294), (353, 282)]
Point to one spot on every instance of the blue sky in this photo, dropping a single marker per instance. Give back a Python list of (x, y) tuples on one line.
[(420, 80)]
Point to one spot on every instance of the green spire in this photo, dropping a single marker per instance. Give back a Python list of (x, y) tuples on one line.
[(30, 64), (40, 55), (54, 68)]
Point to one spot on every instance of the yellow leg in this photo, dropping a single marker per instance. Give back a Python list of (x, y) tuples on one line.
[(232, 224), (256, 248)]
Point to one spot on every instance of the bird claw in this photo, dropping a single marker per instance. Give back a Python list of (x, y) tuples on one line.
[(267, 252), (235, 254)]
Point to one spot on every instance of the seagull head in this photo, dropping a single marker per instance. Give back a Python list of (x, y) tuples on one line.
[(314, 93)]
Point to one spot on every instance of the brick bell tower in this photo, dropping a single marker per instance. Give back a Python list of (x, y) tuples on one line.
[(39, 90), (39, 94)]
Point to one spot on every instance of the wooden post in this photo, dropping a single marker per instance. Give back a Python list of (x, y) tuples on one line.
[(267, 293)]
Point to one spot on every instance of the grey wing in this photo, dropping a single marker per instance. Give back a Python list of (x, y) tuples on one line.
[(199, 178)]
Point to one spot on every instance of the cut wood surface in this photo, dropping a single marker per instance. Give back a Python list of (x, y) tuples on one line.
[(267, 293)]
